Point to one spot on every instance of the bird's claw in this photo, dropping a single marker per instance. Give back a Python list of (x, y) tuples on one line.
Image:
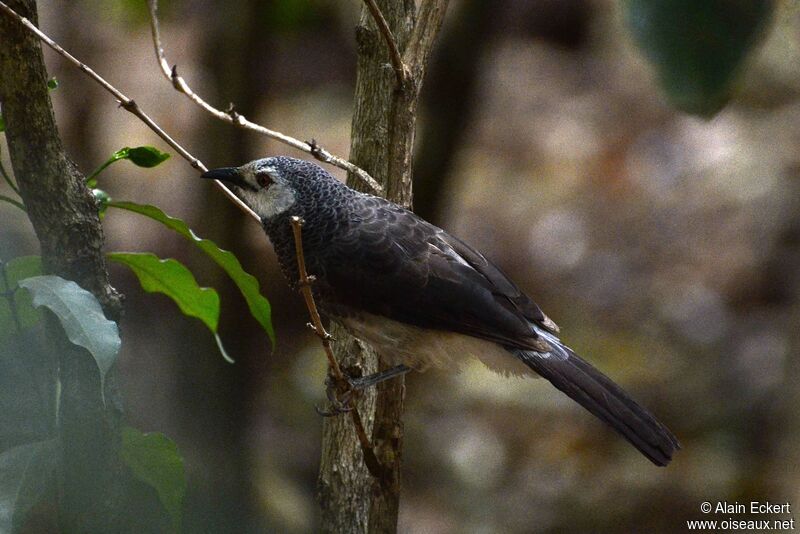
[(334, 411), (340, 393)]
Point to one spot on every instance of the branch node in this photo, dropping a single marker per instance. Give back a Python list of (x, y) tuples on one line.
[(307, 282), (173, 76), (233, 114), (400, 69), (318, 152)]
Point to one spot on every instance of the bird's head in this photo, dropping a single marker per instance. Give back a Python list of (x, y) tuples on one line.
[(270, 186)]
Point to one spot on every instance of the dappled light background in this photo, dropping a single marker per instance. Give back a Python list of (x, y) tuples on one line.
[(666, 247)]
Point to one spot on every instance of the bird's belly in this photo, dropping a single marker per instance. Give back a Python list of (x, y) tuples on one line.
[(421, 348)]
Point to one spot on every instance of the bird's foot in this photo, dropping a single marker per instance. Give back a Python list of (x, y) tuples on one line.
[(341, 392)]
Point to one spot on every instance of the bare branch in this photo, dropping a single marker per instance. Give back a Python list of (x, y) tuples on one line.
[(232, 117), (316, 323), (128, 105), (400, 69)]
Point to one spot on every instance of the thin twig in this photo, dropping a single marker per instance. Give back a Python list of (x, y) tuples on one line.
[(128, 105), (306, 280), (400, 69), (233, 117)]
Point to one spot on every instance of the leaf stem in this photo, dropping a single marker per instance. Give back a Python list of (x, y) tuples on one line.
[(100, 169), (16, 203)]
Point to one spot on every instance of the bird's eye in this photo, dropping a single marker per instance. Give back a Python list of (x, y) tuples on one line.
[(264, 179)]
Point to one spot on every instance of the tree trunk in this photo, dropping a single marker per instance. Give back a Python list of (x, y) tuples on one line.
[(61, 208), (92, 495), (382, 139)]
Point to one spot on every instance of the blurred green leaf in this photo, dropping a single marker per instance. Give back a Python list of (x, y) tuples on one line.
[(697, 47), (52, 84), (147, 156), (132, 13), (142, 156), (26, 472), (247, 284), (2, 123), (19, 268), (293, 18), (14, 271), (174, 280), (80, 315), (154, 459)]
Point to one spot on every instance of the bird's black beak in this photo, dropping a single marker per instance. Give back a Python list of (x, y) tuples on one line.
[(228, 175)]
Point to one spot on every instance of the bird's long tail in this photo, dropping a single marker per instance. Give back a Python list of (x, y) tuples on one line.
[(597, 393)]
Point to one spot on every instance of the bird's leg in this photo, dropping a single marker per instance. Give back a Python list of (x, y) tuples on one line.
[(341, 393), (376, 378)]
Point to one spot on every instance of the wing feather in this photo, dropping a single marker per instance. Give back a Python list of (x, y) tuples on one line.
[(390, 262)]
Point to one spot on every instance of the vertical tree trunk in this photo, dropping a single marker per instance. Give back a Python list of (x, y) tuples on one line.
[(92, 493), (382, 139), (60, 207)]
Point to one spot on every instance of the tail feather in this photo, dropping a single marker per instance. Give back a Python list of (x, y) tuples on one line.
[(597, 393)]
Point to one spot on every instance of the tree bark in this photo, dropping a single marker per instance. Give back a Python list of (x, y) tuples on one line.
[(61, 209), (382, 139), (92, 493)]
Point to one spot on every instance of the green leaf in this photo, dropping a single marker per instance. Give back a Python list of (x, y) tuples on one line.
[(2, 123), (247, 284), (91, 180), (19, 268), (154, 459), (52, 84), (26, 473), (16, 270), (698, 47), (143, 156), (174, 280), (147, 156), (80, 315)]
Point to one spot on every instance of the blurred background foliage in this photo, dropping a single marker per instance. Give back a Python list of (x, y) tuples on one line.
[(667, 247)]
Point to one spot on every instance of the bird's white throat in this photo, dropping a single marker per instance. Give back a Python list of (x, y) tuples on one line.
[(269, 202)]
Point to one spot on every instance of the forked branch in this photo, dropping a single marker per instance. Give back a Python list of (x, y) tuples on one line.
[(233, 117), (400, 69)]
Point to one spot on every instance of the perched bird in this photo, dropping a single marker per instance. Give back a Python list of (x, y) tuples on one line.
[(420, 296)]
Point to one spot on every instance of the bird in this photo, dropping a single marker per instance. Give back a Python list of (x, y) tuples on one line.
[(420, 296)]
